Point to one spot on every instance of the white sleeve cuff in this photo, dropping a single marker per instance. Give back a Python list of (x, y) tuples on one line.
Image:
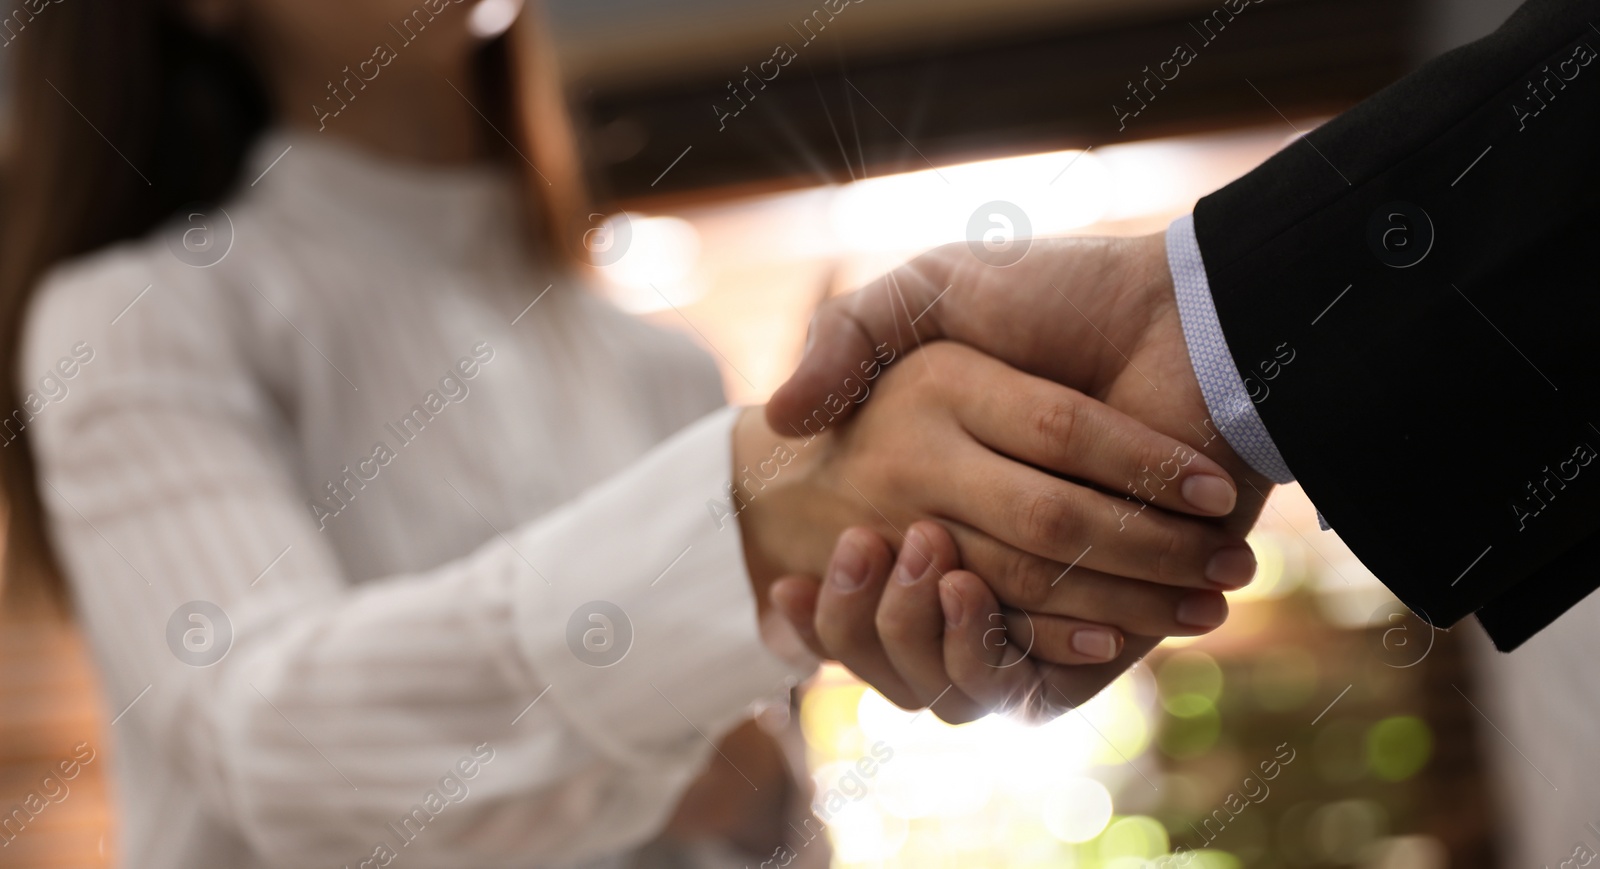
[(1232, 410), (640, 613)]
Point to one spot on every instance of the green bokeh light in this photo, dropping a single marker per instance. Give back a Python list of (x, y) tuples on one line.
[(1213, 860), (1136, 836), (1190, 672), (1399, 746), (1194, 732), (1189, 705)]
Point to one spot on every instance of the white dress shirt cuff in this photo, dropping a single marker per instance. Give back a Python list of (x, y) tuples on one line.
[(1232, 410), (642, 617)]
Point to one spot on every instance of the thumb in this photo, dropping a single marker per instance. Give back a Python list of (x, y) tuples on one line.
[(794, 600), (853, 336)]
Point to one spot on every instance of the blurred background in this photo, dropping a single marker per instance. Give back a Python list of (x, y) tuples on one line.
[(1323, 726)]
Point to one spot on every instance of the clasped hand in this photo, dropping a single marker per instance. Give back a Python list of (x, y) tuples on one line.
[(1046, 538)]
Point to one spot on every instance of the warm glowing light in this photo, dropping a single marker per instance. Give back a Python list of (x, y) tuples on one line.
[(490, 18), (1029, 759), (1054, 192), (655, 266), (1273, 579), (1114, 724), (828, 715), (1077, 810), (948, 784), (861, 833)]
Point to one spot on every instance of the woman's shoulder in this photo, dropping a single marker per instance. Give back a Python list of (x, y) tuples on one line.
[(78, 284), (133, 304)]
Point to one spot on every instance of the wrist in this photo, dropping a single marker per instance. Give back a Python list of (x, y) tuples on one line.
[(773, 492)]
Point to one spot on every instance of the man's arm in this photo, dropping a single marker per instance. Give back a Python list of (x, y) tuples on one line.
[(1424, 258), (1402, 296)]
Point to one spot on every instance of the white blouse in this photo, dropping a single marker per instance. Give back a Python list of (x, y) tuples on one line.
[(337, 509)]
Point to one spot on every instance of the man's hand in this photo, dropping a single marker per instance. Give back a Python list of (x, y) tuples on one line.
[(1096, 314)]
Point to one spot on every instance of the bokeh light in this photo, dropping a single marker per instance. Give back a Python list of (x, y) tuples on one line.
[(1399, 746), (1137, 836), (1077, 810)]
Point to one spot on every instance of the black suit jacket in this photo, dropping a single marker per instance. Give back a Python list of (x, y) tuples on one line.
[(1432, 258)]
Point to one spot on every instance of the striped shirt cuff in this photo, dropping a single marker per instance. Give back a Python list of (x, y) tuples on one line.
[(1220, 382)]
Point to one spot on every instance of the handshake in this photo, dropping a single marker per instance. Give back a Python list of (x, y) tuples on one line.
[(1019, 508)]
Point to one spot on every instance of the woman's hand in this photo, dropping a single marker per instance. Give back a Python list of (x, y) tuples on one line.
[(930, 635), (958, 436)]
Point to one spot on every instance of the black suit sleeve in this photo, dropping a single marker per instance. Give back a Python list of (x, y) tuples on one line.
[(1432, 257)]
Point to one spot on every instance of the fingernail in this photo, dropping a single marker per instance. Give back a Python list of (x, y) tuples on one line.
[(1210, 494), (914, 559), (848, 570), (1202, 610), (1094, 643), (950, 601), (1232, 568)]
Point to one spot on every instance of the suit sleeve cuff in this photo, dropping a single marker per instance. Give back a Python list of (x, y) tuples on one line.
[(1232, 410)]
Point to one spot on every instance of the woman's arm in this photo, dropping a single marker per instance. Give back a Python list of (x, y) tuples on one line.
[(462, 715), (488, 699)]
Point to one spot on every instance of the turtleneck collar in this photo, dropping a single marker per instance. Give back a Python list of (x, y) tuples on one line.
[(410, 210)]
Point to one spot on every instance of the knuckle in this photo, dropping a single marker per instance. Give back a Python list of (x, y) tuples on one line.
[(1176, 561), (1156, 464), (1047, 516), (1054, 423), (1154, 469), (1033, 583)]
